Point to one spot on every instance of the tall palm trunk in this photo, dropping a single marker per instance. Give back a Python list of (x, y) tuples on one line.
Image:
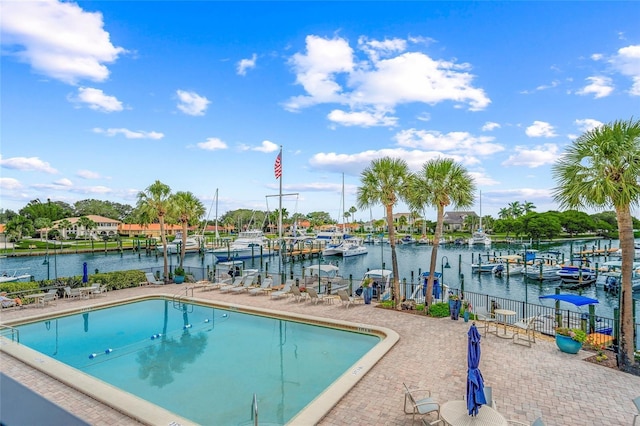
[(183, 248), (394, 258), (434, 257), (625, 230), (163, 240)]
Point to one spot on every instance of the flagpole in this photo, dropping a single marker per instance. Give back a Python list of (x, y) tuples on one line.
[(280, 200)]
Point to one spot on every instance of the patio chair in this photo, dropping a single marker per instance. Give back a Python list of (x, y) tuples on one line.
[(487, 318), (349, 300), (151, 279), (419, 401), (72, 293), (264, 287), (297, 294), (49, 297), (525, 331), (285, 291), (636, 417), (314, 297), (247, 282), (208, 285), (228, 287)]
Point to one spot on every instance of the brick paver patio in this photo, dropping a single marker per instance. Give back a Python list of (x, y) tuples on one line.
[(432, 354)]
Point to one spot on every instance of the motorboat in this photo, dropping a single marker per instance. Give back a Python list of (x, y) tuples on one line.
[(440, 289), (613, 269), (249, 244), (349, 246), (381, 283), (576, 274), (326, 277), (7, 277), (483, 267), (510, 264), (193, 244), (407, 239), (543, 268)]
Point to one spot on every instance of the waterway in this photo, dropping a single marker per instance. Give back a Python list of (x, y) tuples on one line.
[(412, 261)]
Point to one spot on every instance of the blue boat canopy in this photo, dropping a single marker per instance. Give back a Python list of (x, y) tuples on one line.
[(571, 298), (436, 275)]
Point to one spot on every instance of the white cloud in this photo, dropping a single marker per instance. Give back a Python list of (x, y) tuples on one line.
[(425, 116), (385, 48), (63, 182), (212, 144), (129, 134), (330, 72), (58, 39), (627, 62), (599, 86), (191, 103), (28, 164), (489, 126), (9, 184), (361, 118), (88, 174), (267, 146), (245, 64), (540, 129), (587, 124), (97, 100), (537, 156), (461, 143)]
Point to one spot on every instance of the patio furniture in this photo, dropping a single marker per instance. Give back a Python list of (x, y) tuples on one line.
[(636, 417), (419, 402), (525, 331), (488, 319)]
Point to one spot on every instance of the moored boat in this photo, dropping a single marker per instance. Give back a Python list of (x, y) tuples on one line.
[(249, 244)]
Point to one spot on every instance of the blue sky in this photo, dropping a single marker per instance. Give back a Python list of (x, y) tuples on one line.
[(100, 99)]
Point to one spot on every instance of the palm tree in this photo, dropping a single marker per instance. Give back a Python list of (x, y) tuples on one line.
[(528, 207), (504, 213), (186, 209), (43, 224), (63, 226), (440, 183), (154, 203), (352, 211), (598, 170), (516, 208), (384, 182), (87, 224)]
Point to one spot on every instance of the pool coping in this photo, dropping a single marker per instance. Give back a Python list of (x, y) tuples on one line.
[(149, 413)]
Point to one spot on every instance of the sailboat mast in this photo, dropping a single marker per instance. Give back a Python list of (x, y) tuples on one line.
[(480, 210), (342, 203), (217, 233), (280, 199)]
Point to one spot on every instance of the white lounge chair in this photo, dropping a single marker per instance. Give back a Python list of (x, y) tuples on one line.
[(151, 279), (229, 287), (246, 285), (314, 297), (297, 294), (208, 285), (49, 297), (264, 287), (237, 282), (285, 291), (349, 300)]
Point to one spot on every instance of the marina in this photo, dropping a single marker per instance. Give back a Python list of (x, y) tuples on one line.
[(413, 260)]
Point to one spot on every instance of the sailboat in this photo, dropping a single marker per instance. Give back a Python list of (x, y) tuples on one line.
[(479, 237), (343, 244)]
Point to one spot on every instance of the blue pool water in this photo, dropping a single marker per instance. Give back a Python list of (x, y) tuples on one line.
[(200, 362)]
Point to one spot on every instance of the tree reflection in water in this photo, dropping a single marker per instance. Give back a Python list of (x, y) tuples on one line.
[(159, 362)]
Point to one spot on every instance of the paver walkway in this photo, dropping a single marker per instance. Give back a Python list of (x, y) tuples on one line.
[(431, 354)]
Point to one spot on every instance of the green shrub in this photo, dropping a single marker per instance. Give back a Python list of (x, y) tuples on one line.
[(439, 310)]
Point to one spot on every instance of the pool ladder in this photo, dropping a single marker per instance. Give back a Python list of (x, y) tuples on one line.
[(10, 332), (254, 410), (178, 300)]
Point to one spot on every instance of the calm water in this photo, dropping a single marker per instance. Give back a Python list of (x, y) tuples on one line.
[(207, 363), (412, 260)]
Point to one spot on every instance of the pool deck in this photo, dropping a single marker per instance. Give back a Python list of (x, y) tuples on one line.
[(431, 354)]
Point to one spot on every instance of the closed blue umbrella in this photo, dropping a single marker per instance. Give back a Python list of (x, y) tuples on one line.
[(475, 382), (85, 273)]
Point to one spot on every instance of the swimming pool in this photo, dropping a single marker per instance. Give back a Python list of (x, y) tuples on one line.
[(204, 362)]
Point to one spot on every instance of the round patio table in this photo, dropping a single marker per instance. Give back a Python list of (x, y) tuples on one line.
[(456, 413)]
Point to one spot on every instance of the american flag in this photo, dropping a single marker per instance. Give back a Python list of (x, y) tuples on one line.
[(277, 168)]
